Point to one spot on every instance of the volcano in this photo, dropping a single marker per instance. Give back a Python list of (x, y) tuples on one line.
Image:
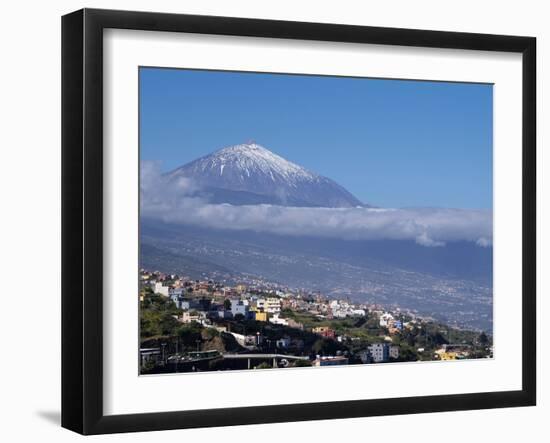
[(249, 174)]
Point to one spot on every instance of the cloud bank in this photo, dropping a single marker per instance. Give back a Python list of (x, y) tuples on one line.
[(431, 227)]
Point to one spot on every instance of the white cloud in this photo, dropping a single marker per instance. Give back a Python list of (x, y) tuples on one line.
[(424, 240), (483, 242), (430, 227)]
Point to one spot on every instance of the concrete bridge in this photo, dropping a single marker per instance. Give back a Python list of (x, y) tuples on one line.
[(251, 357)]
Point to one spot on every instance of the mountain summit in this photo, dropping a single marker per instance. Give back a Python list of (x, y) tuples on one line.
[(251, 174)]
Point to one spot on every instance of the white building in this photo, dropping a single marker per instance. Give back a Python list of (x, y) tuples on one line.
[(188, 317), (269, 304), (159, 288), (339, 314), (239, 307), (380, 352), (385, 319), (277, 320), (176, 295)]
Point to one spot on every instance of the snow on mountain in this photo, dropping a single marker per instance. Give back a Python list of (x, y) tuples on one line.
[(251, 174)]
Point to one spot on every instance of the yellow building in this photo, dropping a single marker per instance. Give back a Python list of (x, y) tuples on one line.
[(446, 355), (240, 288), (260, 316)]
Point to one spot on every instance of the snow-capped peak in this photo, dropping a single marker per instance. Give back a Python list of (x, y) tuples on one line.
[(248, 173), (252, 157)]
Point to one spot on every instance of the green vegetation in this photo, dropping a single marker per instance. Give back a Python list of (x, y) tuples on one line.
[(263, 365), (161, 328), (157, 315)]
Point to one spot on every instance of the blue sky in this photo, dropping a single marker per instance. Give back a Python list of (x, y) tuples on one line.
[(392, 143)]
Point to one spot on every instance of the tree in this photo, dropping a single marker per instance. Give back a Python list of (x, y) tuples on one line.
[(227, 304), (168, 325), (148, 365), (325, 347), (189, 334), (209, 333), (263, 365), (149, 324), (439, 340), (483, 339)]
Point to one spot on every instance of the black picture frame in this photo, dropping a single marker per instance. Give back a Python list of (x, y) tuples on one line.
[(82, 218)]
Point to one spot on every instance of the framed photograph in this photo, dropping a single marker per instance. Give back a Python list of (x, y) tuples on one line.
[(268, 221)]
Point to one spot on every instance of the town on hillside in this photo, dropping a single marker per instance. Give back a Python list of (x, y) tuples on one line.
[(189, 325)]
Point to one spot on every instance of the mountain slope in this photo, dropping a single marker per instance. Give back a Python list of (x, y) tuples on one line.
[(385, 272), (154, 258), (251, 174)]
